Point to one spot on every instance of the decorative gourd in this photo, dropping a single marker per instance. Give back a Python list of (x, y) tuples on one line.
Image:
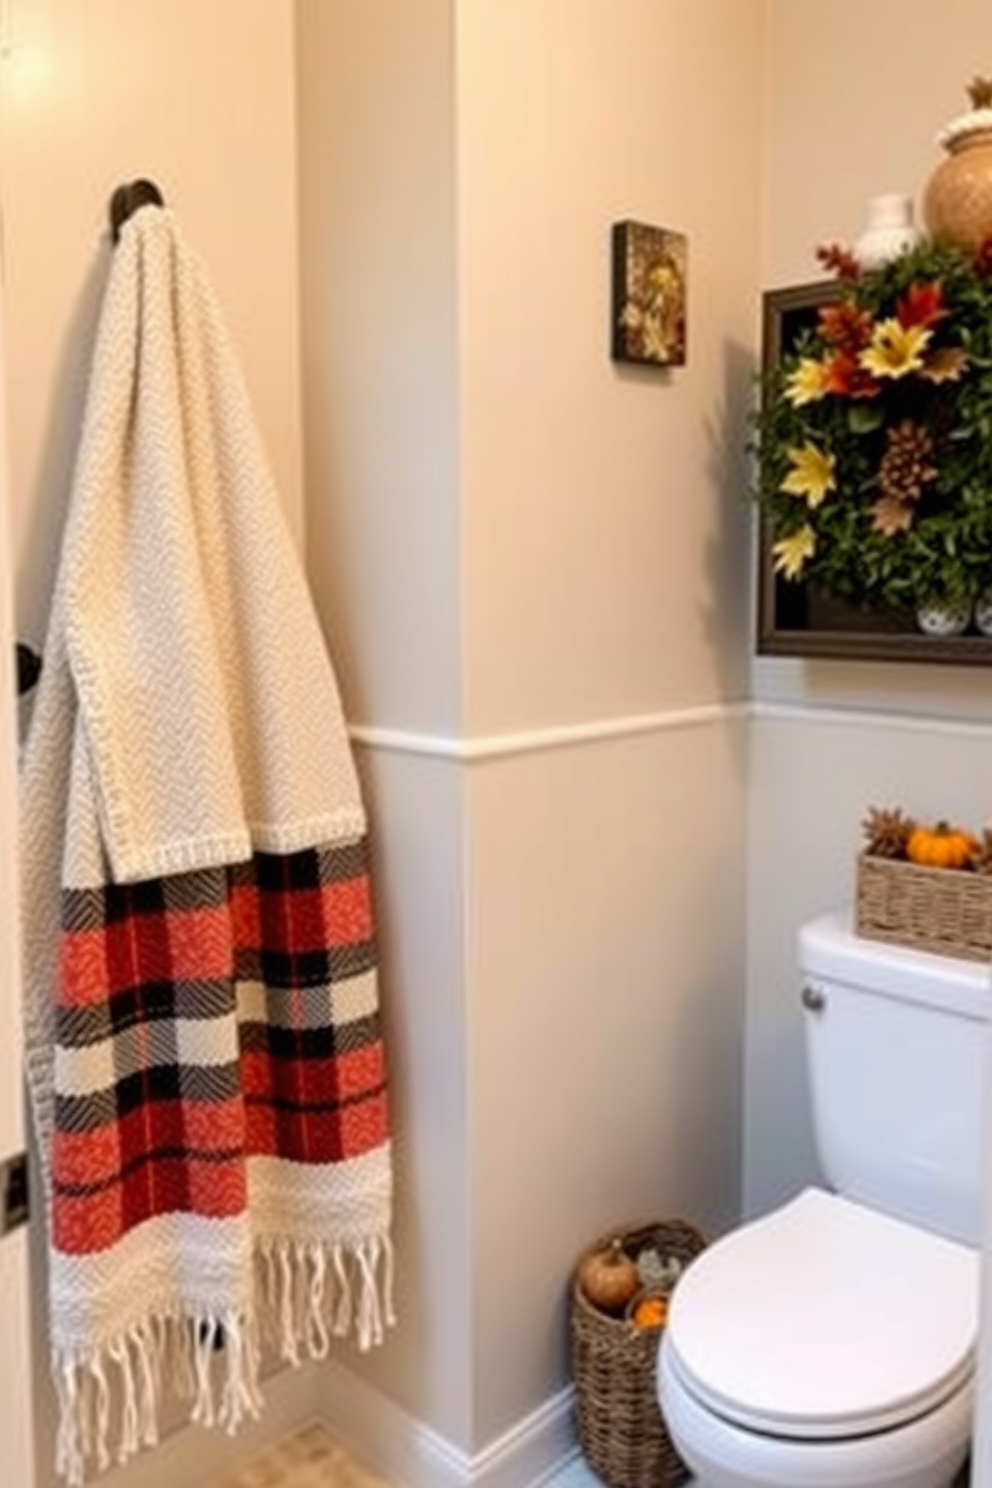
[(942, 846), (609, 1277), (651, 1311)]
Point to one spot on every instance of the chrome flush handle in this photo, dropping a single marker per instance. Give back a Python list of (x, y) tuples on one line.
[(813, 1000)]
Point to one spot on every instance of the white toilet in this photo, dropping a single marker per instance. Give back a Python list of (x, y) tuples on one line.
[(831, 1343)]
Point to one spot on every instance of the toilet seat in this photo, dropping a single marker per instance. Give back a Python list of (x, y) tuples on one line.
[(924, 1453), (825, 1320)]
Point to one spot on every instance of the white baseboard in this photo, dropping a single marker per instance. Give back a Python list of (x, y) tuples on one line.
[(412, 1455), (532, 1450)]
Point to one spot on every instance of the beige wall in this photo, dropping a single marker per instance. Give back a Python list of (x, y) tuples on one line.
[(379, 284), (604, 578), (603, 535), (835, 737), (96, 94), (90, 96), (419, 843), (857, 92), (604, 984), (379, 277), (510, 533)]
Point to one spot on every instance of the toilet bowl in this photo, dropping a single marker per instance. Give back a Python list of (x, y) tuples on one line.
[(925, 1453), (827, 1345), (830, 1344)]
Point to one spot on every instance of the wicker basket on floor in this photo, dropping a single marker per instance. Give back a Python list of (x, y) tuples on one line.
[(614, 1365)]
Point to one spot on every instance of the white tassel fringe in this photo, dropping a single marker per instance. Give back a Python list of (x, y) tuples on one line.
[(306, 1293)]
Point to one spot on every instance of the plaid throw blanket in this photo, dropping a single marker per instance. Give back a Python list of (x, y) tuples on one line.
[(203, 1041)]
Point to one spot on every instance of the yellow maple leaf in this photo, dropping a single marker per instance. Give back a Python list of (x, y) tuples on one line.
[(790, 553), (813, 474), (807, 383), (895, 350)]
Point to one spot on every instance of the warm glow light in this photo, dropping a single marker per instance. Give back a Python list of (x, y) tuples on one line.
[(25, 68), (25, 72)]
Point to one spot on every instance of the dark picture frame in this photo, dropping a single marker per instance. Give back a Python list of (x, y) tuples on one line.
[(648, 303), (792, 618)]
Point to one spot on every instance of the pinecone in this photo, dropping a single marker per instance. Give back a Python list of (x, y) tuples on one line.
[(887, 832), (982, 861), (905, 467)]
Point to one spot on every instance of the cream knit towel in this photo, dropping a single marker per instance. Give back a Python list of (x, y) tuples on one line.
[(203, 1042)]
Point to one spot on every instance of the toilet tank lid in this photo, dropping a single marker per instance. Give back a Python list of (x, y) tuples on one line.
[(829, 949)]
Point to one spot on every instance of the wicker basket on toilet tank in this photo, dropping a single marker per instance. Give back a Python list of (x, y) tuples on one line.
[(614, 1362), (929, 888)]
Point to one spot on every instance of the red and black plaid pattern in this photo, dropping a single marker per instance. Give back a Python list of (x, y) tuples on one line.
[(206, 1018)]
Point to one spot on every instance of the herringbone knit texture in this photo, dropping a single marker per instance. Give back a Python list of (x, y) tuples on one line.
[(203, 1041)]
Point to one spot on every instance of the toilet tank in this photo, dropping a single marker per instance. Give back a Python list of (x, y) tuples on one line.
[(895, 1043)]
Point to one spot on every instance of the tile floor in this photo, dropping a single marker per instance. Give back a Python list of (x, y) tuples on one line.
[(577, 1475), (313, 1459)]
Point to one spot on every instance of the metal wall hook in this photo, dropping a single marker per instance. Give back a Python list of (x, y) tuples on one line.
[(28, 668), (128, 198)]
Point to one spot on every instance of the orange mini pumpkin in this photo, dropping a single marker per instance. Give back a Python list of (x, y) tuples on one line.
[(651, 1311), (942, 846)]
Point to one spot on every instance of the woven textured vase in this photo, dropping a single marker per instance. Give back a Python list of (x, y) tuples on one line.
[(957, 201)]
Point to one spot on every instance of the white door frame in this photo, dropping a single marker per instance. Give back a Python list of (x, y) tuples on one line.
[(16, 1414)]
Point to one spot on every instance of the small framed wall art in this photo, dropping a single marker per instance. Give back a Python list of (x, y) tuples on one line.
[(649, 295)]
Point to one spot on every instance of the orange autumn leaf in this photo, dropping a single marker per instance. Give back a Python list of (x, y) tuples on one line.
[(921, 305), (845, 326), (846, 378), (837, 259)]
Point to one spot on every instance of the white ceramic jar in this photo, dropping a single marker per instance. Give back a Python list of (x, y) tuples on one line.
[(889, 231)]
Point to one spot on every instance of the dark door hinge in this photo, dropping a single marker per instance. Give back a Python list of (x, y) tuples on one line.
[(14, 1205)]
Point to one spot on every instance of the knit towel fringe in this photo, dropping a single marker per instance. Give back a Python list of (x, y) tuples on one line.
[(110, 1397)]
